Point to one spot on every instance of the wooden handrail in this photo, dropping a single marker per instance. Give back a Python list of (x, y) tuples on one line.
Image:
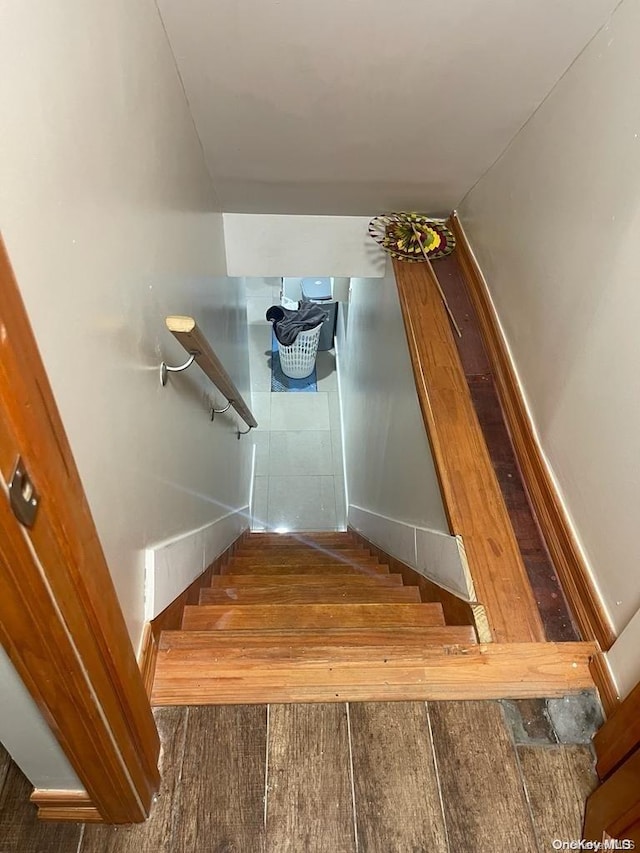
[(471, 494), (186, 331)]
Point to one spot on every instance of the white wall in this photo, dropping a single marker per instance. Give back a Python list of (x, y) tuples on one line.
[(350, 107), (170, 566), (27, 737), (266, 245), (555, 227), (623, 657), (392, 489), (110, 220)]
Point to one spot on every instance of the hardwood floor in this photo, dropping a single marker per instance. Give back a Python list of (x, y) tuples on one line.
[(405, 777)]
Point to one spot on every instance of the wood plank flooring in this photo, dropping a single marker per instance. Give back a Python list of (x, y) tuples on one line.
[(557, 781), (157, 832), (309, 805), (394, 773), (414, 777), (223, 780), (481, 783)]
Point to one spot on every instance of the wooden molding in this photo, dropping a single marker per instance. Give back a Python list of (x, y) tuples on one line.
[(60, 619), (574, 576), (456, 610), (604, 682), (186, 331), (620, 735), (75, 806), (471, 494), (147, 657), (170, 619), (613, 809)]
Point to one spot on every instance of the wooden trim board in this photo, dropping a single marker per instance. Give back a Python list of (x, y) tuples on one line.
[(604, 682), (60, 619), (574, 576), (613, 809), (471, 494), (147, 657), (620, 735), (74, 806)]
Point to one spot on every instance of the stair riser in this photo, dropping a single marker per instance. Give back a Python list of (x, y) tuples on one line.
[(336, 541), (332, 641), (310, 595), (321, 580), (301, 539), (362, 569), (238, 617), (306, 557), (415, 689), (318, 546)]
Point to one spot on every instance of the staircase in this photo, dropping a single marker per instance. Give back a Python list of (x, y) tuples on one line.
[(312, 617)]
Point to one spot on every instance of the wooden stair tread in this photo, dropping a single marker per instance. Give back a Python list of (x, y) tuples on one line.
[(299, 536), (292, 555), (296, 545), (515, 670), (281, 638), (218, 617), (299, 594), (365, 569), (342, 581)]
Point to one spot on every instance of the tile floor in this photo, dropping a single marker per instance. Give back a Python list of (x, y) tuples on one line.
[(299, 480)]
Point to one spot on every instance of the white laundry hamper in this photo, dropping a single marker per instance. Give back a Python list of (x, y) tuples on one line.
[(298, 360)]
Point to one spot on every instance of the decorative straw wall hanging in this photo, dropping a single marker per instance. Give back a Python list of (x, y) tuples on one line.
[(415, 238)]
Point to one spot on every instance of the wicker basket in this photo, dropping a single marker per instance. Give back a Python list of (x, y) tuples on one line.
[(298, 360)]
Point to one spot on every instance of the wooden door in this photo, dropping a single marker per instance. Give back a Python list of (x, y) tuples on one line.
[(60, 620), (613, 810)]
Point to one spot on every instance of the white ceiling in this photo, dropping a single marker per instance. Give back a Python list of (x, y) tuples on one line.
[(353, 107)]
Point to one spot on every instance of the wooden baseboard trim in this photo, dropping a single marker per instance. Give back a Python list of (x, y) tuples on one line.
[(147, 658), (574, 576), (604, 682), (75, 806)]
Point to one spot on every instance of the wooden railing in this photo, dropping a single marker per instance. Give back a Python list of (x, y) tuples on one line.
[(186, 331)]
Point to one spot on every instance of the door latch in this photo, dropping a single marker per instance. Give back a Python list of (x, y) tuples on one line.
[(23, 497)]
